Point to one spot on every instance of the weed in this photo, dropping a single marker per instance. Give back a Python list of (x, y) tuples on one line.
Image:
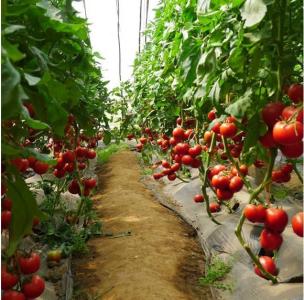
[(216, 272), (103, 155)]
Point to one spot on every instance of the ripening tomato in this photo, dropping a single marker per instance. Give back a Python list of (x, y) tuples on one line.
[(30, 108), (293, 150), (271, 113), (196, 163), (267, 140), (198, 198), (12, 295), (143, 140), (21, 164), (223, 195), (29, 265), (8, 279), (287, 133), (211, 115), (295, 93), (228, 130), (34, 288), (270, 240), (179, 121), (178, 133), (236, 184), (214, 207), (297, 223), (74, 187), (207, 136), (276, 219), (268, 264)]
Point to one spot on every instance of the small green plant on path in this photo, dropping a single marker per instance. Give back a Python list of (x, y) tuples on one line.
[(216, 273), (103, 155)]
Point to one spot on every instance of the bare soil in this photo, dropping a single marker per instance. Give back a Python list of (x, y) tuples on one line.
[(160, 260)]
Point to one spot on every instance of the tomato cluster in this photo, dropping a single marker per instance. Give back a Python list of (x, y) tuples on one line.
[(22, 271)]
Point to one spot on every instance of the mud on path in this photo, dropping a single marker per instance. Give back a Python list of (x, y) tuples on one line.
[(160, 260)]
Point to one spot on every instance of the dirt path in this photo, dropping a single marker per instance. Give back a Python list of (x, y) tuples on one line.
[(160, 260)]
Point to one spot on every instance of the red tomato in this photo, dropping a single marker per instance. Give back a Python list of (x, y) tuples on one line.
[(196, 163), (277, 176), (167, 172), (270, 240), (59, 173), (179, 121), (287, 168), (173, 141), (188, 134), (297, 223), (292, 151), (80, 152), (255, 213), (40, 167), (223, 195), (68, 156), (217, 169), (29, 265), (157, 176), (211, 115), (271, 113), (8, 279), (216, 127), (290, 112), (178, 133), (214, 207), (267, 140), (228, 130), (81, 165), (69, 167), (196, 150), (181, 148), (165, 164), (74, 187), (220, 181), (12, 295), (31, 161), (89, 183), (172, 177), (198, 198), (91, 154), (236, 184), (259, 163), (295, 93), (6, 204), (243, 170), (276, 219), (34, 288), (178, 158), (175, 167), (6, 217), (207, 136), (21, 164), (287, 134), (30, 109), (187, 160), (268, 264)]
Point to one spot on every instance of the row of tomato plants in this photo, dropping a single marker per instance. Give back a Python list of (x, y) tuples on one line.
[(232, 75), (53, 115)]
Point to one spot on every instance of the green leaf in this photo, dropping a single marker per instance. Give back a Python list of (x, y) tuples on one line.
[(31, 80), (35, 124), (241, 106), (11, 91), (252, 136), (253, 12), (237, 60), (107, 137), (39, 156), (12, 51), (12, 28), (23, 211)]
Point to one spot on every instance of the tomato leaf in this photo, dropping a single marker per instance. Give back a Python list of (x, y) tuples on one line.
[(253, 12)]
